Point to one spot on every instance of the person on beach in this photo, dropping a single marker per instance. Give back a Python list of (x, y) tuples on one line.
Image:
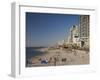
[(55, 60), (50, 60)]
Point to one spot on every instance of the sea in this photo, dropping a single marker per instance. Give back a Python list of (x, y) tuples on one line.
[(32, 52)]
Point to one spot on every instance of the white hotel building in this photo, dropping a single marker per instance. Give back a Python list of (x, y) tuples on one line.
[(73, 37)]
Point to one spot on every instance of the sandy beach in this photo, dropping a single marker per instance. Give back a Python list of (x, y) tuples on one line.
[(56, 57)]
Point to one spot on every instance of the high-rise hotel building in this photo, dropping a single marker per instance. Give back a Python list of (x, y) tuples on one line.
[(84, 30)]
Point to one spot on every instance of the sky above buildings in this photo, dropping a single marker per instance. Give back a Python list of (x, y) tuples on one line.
[(45, 29)]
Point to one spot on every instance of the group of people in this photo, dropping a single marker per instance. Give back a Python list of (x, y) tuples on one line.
[(53, 60)]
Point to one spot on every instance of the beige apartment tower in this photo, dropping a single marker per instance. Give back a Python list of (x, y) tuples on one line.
[(84, 30)]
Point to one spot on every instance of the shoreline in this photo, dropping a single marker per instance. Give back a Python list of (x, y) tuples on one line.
[(63, 57), (42, 49)]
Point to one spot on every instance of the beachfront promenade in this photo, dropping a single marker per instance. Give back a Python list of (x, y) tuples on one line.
[(56, 57)]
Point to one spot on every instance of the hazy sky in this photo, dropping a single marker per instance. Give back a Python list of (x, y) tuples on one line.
[(44, 29)]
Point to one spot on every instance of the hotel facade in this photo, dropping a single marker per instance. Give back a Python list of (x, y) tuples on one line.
[(84, 30), (73, 37)]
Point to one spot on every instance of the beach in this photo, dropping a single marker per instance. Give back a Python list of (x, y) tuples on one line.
[(57, 57)]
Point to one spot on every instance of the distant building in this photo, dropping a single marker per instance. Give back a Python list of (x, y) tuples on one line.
[(84, 30), (61, 42), (69, 39)]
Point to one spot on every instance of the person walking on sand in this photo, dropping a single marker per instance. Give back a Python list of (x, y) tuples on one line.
[(55, 60), (50, 60)]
